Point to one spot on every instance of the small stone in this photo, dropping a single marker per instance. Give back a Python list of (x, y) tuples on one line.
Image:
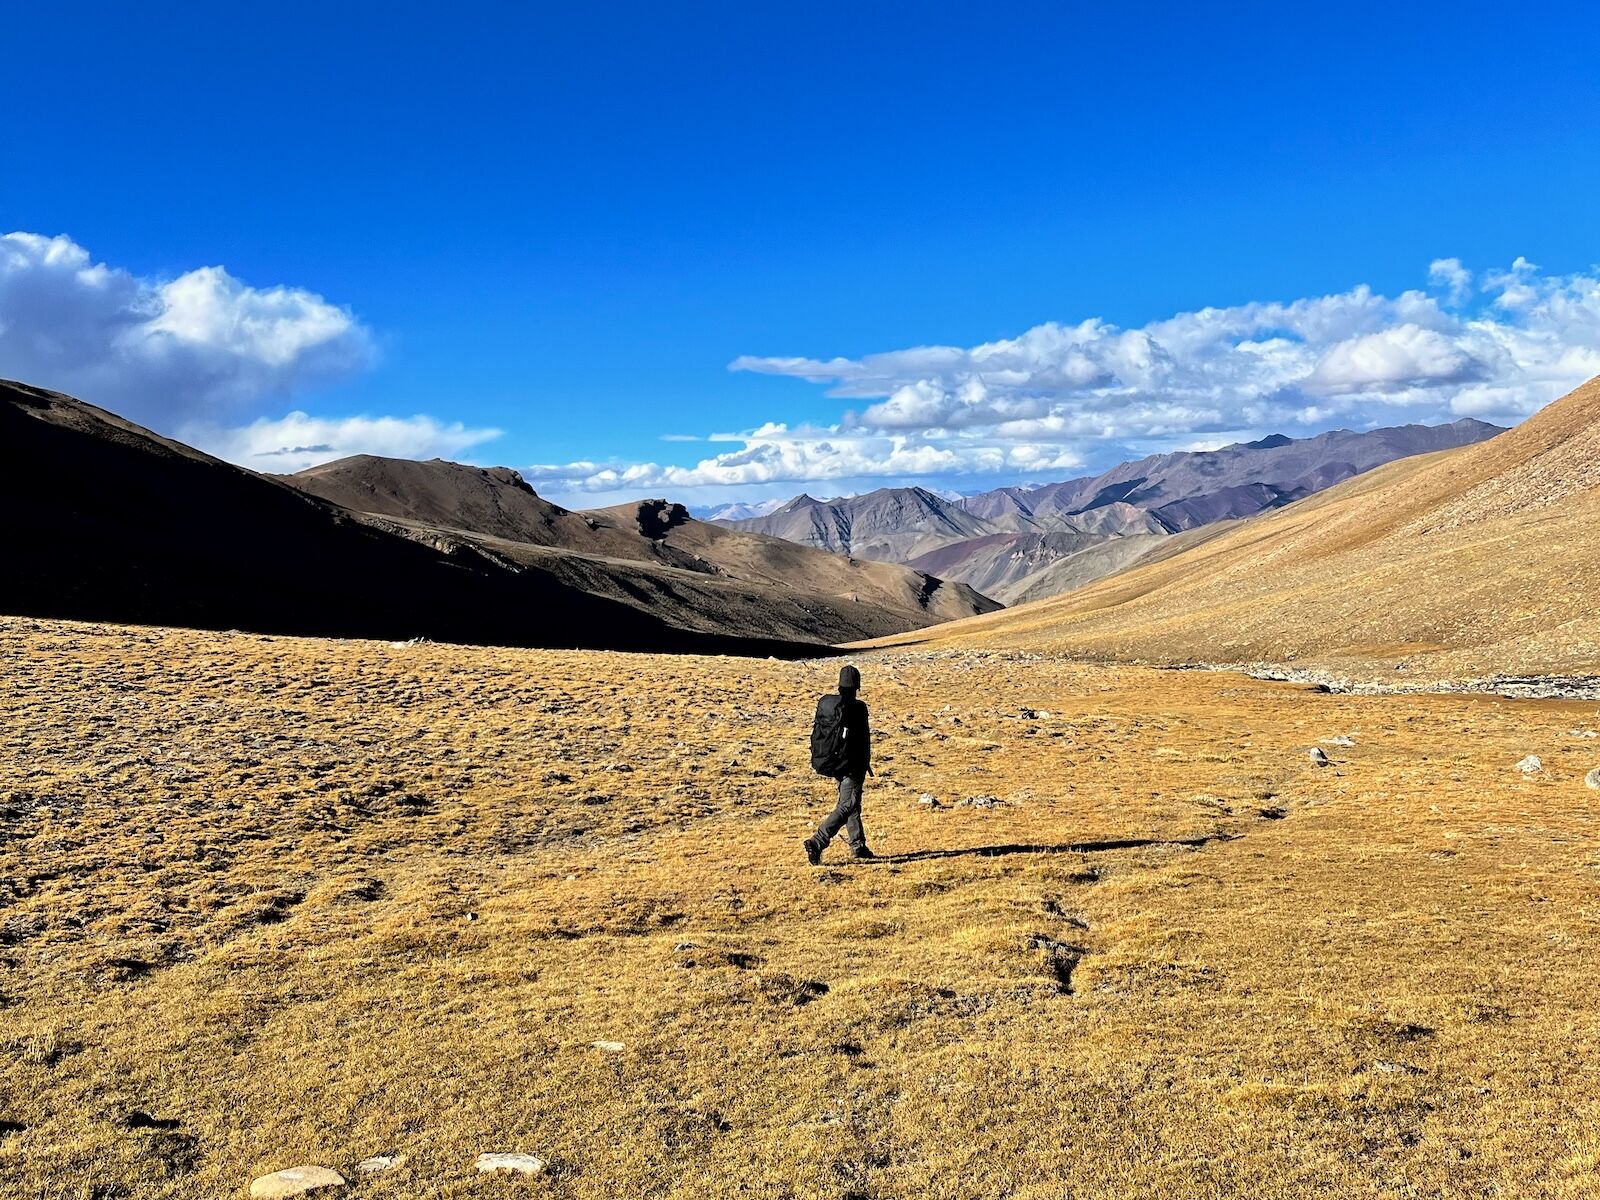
[(1530, 765), (1028, 714), (518, 1164), (609, 1047), (1395, 1068), (1592, 779), (1318, 756), (929, 799), (380, 1162), (1338, 740), (295, 1181)]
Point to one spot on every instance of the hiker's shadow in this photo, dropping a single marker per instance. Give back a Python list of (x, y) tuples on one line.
[(1099, 847)]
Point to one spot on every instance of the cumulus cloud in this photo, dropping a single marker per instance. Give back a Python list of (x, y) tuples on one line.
[(1449, 274), (774, 453), (1501, 342), (198, 356), (202, 346), (298, 440), (1495, 345), (1403, 357)]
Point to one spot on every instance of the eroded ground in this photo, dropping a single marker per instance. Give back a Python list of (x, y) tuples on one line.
[(266, 901)]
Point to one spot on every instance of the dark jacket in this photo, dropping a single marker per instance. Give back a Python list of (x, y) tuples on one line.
[(857, 736)]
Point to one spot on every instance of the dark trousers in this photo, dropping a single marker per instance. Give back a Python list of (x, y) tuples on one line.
[(846, 815)]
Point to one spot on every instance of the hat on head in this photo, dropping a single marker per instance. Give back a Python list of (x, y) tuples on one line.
[(850, 678)]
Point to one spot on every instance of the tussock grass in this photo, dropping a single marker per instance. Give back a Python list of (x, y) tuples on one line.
[(316, 900)]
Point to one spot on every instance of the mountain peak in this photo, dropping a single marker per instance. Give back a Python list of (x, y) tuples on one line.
[(1271, 442)]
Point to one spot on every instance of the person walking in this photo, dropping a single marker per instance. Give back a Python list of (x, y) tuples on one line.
[(841, 749)]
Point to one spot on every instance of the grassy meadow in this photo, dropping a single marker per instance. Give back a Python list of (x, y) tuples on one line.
[(271, 901)]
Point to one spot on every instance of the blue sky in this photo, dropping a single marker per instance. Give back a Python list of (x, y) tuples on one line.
[(540, 236)]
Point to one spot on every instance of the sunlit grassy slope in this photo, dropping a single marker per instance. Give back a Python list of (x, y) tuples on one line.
[(310, 901), (1468, 562)]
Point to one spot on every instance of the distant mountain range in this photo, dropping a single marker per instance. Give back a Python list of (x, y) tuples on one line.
[(109, 521), (736, 512), (1020, 544), (1475, 562)]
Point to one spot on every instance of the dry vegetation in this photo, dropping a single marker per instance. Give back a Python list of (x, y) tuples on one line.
[(1465, 563), (266, 901)]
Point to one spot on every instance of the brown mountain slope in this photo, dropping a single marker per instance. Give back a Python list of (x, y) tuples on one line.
[(774, 561), (489, 500), (1466, 562), (108, 521), (1017, 544), (496, 506)]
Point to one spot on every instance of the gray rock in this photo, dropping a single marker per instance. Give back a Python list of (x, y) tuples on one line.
[(295, 1181), (380, 1162), (515, 1164), (1592, 779), (1394, 1068), (929, 799), (609, 1047), (1339, 740), (1318, 757), (981, 802), (1530, 765)]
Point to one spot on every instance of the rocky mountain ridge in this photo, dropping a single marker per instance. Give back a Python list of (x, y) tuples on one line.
[(1008, 544), (110, 521)]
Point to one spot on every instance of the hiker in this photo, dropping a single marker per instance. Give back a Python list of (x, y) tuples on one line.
[(841, 748)]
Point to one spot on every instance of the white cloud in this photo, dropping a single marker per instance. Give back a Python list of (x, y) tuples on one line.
[(299, 440), (1516, 338), (1449, 274), (1405, 356), (198, 356), (163, 352), (1495, 345), (776, 454)]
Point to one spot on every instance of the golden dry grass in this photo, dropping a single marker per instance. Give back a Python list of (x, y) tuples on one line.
[(1465, 563), (314, 900)]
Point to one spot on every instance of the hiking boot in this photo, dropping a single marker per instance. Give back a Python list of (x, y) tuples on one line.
[(863, 852), (813, 852)]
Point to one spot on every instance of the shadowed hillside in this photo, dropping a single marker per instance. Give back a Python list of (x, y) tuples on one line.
[(154, 531), (496, 503), (108, 521), (1482, 559)]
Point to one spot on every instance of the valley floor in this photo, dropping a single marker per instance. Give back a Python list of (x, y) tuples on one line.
[(271, 901)]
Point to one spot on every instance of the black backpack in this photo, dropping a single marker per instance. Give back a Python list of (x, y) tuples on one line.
[(828, 755)]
